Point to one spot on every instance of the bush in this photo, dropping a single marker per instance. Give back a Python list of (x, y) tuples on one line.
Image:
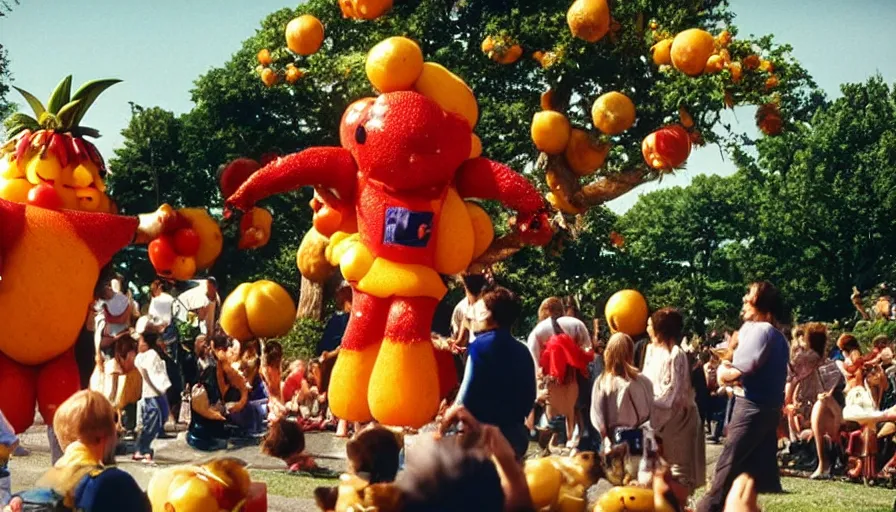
[(302, 340), (865, 331)]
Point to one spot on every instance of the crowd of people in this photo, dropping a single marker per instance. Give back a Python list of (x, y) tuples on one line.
[(655, 400)]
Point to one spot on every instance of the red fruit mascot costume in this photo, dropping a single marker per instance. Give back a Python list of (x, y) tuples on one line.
[(399, 180)]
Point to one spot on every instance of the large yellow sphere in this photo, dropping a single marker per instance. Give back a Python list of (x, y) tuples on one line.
[(262, 309), (627, 312)]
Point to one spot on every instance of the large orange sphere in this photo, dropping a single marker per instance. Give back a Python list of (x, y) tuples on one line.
[(304, 34), (262, 309), (691, 49), (627, 312), (613, 113)]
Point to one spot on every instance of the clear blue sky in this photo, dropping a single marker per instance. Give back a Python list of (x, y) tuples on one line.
[(159, 47)]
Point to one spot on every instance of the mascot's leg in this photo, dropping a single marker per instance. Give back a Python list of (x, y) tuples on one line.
[(404, 387), (357, 355), (18, 393), (56, 381)]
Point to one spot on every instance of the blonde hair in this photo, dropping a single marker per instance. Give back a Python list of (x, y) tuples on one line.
[(619, 357), (86, 416)]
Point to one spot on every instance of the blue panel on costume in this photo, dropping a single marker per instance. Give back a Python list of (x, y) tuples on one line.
[(406, 227)]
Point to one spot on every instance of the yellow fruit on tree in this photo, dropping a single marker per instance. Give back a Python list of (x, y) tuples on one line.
[(543, 480), (304, 35), (724, 39), (662, 52), (264, 57), (475, 146), (262, 309), (293, 74), (613, 113), (550, 132), (627, 312), (364, 9), (589, 19), (394, 64), (449, 91), (691, 49), (584, 154), (714, 64), (736, 70)]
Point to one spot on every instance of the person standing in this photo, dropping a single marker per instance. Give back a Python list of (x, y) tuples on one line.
[(675, 418), (562, 396), (760, 363), (499, 381)]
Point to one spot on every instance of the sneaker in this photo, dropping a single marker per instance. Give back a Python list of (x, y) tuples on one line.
[(21, 451)]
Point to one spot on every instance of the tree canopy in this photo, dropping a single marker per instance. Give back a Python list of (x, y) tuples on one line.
[(693, 247)]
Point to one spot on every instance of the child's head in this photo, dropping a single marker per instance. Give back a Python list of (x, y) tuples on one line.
[(272, 354), (148, 341), (125, 352), (88, 417)]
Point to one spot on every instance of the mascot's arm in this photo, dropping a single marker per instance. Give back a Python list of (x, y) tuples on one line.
[(486, 179), (326, 168)]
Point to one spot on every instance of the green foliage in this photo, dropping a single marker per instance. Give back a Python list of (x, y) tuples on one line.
[(301, 341), (865, 331), (6, 106)]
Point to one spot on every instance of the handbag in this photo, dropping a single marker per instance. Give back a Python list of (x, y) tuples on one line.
[(631, 436)]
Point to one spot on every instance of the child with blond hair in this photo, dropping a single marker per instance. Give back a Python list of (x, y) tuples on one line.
[(80, 480)]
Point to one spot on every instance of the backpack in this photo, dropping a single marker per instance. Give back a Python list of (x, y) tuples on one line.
[(562, 358), (48, 499)]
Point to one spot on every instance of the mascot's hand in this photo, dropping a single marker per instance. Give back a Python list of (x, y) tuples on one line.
[(534, 229), (152, 225)]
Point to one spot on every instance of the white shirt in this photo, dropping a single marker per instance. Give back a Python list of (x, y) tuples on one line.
[(460, 319), (160, 309), (152, 368), (542, 332)]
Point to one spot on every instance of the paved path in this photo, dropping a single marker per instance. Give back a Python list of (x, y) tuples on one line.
[(328, 450)]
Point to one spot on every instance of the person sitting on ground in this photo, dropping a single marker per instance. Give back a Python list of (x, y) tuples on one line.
[(81, 479), (499, 382), (253, 416), (220, 392), (271, 369)]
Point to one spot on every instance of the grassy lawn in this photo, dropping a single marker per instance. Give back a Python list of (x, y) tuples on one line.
[(804, 495), (283, 484)]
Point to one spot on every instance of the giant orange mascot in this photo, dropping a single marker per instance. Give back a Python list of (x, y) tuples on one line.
[(399, 180), (58, 228)]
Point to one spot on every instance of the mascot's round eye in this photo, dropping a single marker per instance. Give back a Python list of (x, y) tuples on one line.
[(360, 134)]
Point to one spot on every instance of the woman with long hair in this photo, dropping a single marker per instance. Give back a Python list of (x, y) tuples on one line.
[(803, 378), (622, 398), (676, 419)]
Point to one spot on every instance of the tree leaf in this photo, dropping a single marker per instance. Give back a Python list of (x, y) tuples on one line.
[(35, 103), (61, 96), (88, 93), (67, 113)]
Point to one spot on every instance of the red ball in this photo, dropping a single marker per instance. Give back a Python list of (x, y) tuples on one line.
[(235, 174), (44, 196), (186, 242), (162, 254)]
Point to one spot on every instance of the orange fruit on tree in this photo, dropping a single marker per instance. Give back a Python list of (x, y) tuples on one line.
[(751, 61), (691, 49), (584, 154), (550, 132), (771, 82), (662, 52), (364, 9), (264, 57), (269, 77), (589, 19), (714, 64), (304, 35), (737, 71), (767, 66), (768, 118), (613, 113), (724, 38), (394, 64), (293, 74)]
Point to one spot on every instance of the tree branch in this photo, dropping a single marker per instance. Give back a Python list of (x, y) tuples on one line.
[(610, 186)]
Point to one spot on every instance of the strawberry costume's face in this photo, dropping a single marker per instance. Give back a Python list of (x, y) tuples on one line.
[(405, 141)]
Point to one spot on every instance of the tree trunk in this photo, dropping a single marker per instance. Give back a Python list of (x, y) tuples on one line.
[(311, 300)]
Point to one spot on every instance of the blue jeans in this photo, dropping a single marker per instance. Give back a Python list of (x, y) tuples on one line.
[(155, 412)]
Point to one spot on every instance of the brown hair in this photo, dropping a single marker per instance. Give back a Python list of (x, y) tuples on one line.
[(504, 306), (847, 342), (124, 346), (817, 337), (285, 438), (552, 307), (86, 416), (768, 299), (668, 325), (619, 357), (272, 354)]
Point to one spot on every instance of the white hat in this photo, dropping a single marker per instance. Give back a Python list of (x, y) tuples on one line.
[(142, 324)]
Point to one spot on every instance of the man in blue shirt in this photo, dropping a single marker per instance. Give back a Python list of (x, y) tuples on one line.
[(499, 382), (331, 338), (760, 363)]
